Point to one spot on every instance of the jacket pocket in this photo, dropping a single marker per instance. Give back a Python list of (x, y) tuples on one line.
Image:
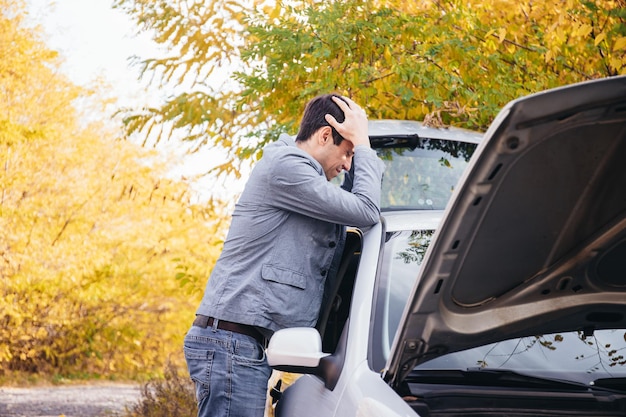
[(290, 300), (284, 276)]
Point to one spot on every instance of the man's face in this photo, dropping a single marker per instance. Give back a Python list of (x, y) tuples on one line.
[(336, 158)]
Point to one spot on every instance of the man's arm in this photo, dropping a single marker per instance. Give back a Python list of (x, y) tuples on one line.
[(298, 186)]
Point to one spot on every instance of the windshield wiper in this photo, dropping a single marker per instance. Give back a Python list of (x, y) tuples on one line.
[(395, 141), (506, 378)]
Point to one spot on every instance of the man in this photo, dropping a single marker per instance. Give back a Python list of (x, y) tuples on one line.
[(285, 230)]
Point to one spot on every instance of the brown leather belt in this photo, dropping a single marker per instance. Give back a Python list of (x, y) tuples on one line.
[(205, 321)]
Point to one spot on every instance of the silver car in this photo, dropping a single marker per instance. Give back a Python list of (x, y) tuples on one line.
[(495, 283)]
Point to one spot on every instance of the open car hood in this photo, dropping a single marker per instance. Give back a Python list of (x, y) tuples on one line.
[(534, 238)]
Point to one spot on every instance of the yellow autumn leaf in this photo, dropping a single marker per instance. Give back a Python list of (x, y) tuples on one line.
[(268, 9), (584, 30), (501, 35), (273, 12), (620, 43), (548, 56), (387, 54), (41, 333), (599, 38), (616, 63)]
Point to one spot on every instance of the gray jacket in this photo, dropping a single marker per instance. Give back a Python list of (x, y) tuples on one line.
[(283, 235)]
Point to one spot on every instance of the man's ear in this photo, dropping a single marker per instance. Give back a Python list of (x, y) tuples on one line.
[(325, 134)]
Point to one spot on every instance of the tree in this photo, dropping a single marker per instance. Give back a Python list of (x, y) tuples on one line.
[(453, 62), (95, 241)]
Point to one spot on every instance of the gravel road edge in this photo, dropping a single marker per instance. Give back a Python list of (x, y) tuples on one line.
[(93, 400)]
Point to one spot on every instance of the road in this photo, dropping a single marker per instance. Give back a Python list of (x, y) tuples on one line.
[(93, 400)]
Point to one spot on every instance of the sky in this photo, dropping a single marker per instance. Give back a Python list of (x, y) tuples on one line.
[(97, 41)]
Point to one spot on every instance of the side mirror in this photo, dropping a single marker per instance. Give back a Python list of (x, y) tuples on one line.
[(297, 347), (299, 350)]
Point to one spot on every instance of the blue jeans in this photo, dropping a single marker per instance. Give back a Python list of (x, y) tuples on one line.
[(230, 372)]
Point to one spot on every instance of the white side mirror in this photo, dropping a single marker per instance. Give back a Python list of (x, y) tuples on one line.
[(297, 346)]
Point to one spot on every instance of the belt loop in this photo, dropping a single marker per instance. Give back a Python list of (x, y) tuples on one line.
[(215, 323)]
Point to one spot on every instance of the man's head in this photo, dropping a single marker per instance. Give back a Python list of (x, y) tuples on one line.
[(314, 117), (321, 140)]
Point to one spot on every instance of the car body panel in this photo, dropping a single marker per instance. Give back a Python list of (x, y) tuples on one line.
[(363, 393)]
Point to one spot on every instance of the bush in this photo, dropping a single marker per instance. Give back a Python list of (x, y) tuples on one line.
[(173, 396)]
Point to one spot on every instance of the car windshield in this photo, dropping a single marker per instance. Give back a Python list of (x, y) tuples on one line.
[(573, 356), (420, 173)]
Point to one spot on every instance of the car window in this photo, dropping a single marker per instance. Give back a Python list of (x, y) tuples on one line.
[(403, 253), (421, 173), (572, 356)]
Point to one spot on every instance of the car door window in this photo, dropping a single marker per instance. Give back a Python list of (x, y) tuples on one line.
[(403, 254)]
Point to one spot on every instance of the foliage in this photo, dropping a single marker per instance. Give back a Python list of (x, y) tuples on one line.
[(174, 396), (201, 37), (605, 354), (418, 241), (93, 236), (597, 353), (454, 62)]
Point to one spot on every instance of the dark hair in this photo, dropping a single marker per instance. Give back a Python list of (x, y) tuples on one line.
[(313, 117)]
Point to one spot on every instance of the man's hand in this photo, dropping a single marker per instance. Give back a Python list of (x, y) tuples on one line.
[(354, 127)]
